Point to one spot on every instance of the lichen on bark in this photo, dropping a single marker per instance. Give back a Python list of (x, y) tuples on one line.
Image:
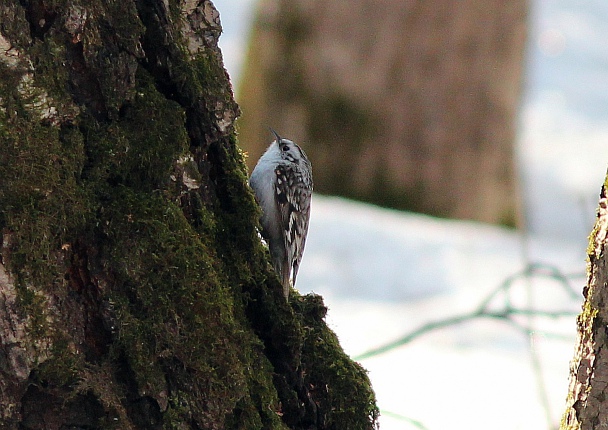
[(135, 292), (587, 401)]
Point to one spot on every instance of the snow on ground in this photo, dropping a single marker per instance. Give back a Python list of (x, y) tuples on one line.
[(385, 273)]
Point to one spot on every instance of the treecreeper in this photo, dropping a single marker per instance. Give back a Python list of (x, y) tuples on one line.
[(282, 183)]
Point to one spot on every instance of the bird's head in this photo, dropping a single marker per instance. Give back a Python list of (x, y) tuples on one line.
[(287, 149)]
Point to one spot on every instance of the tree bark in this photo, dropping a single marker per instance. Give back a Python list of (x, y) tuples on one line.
[(407, 104), (587, 402), (134, 290)]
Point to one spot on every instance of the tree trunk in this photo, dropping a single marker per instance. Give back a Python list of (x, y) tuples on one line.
[(408, 104), (587, 403), (134, 290)]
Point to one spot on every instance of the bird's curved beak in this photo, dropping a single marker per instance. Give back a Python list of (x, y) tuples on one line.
[(275, 134)]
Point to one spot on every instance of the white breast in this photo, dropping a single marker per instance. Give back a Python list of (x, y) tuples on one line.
[(262, 182)]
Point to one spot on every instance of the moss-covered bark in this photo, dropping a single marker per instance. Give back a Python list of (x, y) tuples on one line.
[(135, 292), (587, 402)]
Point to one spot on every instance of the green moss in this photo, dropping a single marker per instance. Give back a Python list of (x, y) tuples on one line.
[(169, 295), (33, 308), (50, 72), (172, 300), (139, 149), (64, 366), (200, 322), (340, 385), (596, 227), (236, 239), (42, 207), (42, 202)]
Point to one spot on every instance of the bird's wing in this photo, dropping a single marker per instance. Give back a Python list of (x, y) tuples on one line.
[(293, 201)]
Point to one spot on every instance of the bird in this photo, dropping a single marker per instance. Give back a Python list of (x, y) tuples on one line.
[(282, 184)]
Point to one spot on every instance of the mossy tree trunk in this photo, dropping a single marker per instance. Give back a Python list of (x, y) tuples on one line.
[(134, 290), (407, 104), (587, 403)]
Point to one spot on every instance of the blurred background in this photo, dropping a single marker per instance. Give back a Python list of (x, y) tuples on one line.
[(458, 151)]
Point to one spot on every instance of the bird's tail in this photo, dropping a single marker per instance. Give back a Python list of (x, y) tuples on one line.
[(280, 262), (284, 277)]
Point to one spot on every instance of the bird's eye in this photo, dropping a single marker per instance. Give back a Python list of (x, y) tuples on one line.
[(285, 148)]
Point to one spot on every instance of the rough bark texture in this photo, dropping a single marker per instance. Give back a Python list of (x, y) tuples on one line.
[(409, 104), (134, 290), (587, 403)]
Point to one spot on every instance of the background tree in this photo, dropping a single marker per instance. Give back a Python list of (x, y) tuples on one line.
[(587, 403), (401, 103), (134, 291)]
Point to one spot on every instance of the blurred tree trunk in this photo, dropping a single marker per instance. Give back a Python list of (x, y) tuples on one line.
[(409, 104), (134, 290), (587, 403)]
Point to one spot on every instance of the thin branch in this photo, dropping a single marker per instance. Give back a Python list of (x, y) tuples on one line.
[(483, 311), (504, 315), (412, 421)]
